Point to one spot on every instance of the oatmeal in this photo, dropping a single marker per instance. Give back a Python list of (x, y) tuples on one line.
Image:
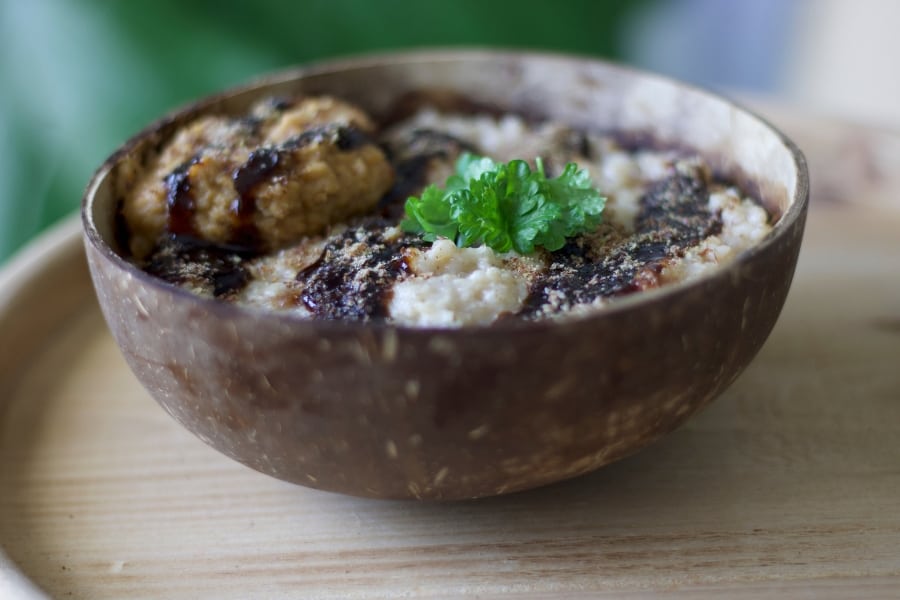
[(297, 207)]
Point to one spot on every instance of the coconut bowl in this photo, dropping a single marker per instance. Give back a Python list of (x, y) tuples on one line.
[(396, 412)]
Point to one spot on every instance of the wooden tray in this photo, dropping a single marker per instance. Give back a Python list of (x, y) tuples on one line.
[(789, 483)]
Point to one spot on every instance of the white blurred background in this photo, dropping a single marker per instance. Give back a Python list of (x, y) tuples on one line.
[(837, 58)]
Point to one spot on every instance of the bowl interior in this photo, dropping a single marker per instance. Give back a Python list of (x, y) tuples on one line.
[(582, 92)]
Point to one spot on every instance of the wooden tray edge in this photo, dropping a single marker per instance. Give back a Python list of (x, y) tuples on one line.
[(56, 258)]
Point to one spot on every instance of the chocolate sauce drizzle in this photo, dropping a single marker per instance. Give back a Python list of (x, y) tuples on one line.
[(344, 137), (353, 285), (185, 260), (259, 166), (673, 216), (180, 199)]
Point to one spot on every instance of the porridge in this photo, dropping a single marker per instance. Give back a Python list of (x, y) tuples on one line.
[(309, 206)]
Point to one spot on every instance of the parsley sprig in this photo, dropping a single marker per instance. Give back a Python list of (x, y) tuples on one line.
[(506, 206)]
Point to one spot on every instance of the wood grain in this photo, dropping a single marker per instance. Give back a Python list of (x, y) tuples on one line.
[(787, 485)]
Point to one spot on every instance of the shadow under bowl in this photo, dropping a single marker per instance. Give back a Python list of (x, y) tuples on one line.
[(396, 412)]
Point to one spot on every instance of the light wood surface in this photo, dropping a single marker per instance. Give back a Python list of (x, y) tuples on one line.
[(788, 485)]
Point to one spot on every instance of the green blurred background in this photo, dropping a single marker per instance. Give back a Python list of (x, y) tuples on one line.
[(77, 77)]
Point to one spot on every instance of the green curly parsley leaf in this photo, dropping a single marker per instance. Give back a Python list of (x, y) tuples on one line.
[(506, 206)]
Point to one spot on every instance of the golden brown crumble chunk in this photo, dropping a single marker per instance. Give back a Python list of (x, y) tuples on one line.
[(288, 170)]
